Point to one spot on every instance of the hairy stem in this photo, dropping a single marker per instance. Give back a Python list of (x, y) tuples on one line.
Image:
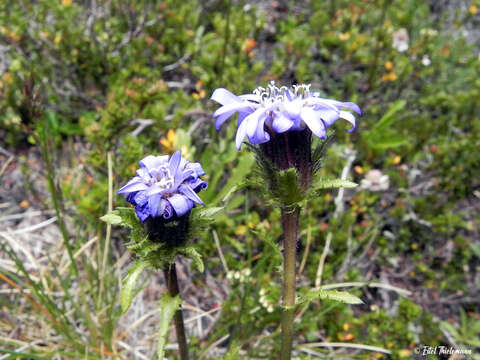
[(172, 283), (290, 219)]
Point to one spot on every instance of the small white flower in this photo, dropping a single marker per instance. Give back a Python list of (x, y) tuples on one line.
[(426, 60), (270, 309), (428, 32), (375, 181), (400, 40)]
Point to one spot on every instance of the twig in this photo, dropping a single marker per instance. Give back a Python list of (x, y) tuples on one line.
[(134, 351), (339, 206), (400, 291), (321, 263), (220, 253), (219, 341), (32, 228), (4, 167), (177, 63), (307, 250), (347, 345)]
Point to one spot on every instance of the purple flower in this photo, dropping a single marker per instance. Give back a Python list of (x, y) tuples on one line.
[(165, 186), (277, 110)]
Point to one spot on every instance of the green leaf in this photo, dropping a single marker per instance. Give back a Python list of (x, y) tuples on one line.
[(341, 296), (333, 184), (208, 213), (476, 249), (389, 142), (128, 284), (288, 191), (389, 117), (237, 175), (123, 216), (233, 353), (168, 306), (193, 254), (234, 189), (112, 219)]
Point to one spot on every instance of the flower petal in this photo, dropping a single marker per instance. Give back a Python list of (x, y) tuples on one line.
[(174, 162), (196, 167), (156, 205), (244, 110), (349, 117), (197, 184), (241, 133), (341, 104), (252, 121), (181, 176), (151, 161), (281, 123), (168, 212), (250, 97), (223, 96), (313, 121), (180, 204), (328, 116), (260, 136), (189, 193), (136, 184), (142, 212), (293, 108)]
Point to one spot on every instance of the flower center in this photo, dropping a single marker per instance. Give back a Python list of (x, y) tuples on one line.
[(273, 95), (161, 177)]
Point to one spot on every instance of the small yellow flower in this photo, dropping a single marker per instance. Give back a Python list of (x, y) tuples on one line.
[(170, 141), (396, 160), (391, 76), (241, 230), (347, 337), (66, 2), (404, 353), (344, 36), (473, 9), (358, 169), (248, 45), (346, 326), (389, 65), (7, 77), (414, 246), (57, 39)]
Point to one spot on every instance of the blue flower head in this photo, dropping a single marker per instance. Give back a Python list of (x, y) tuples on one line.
[(165, 187), (277, 110)]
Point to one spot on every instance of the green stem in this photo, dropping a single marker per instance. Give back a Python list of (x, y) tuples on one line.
[(172, 284), (290, 231)]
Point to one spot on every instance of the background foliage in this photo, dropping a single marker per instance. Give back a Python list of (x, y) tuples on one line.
[(130, 78)]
